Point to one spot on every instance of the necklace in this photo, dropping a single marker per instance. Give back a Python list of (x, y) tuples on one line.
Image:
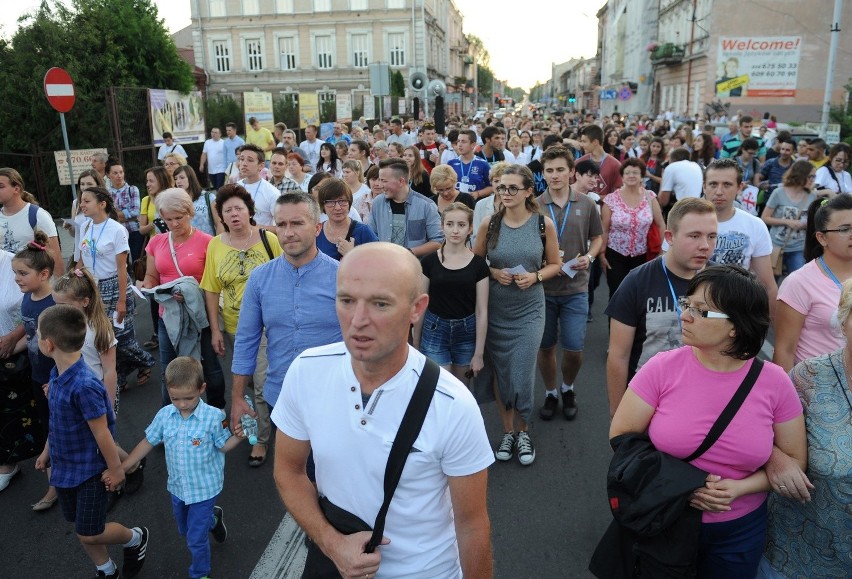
[(182, 243), (232, 240)]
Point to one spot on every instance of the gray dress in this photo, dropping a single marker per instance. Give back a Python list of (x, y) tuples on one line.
[(515, 321)]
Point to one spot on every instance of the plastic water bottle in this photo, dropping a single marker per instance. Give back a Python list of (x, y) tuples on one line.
[(249, 424)]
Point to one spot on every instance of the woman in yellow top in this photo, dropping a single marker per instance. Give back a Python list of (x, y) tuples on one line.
[(156, 179), (231, 257)]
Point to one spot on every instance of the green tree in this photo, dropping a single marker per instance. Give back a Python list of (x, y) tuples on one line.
[(485, 78), (328, 111), (286, 110), (397, 84), (221, 110)]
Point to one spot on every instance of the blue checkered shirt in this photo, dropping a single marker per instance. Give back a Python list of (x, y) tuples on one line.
[(127, 202), (194, 460), (75, 397)]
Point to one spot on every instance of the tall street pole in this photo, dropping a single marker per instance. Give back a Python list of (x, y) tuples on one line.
[(832, 58)]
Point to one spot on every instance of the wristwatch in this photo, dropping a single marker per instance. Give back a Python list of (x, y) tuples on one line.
[(591, 258), (539, 276)]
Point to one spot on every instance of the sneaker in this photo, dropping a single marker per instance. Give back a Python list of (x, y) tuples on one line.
[(133, 481), (526, 450), (115, 574), (134, 557), (551, 403), (569, 405), (507, 446), (219, 530)]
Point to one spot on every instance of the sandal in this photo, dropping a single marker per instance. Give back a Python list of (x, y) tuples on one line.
[(257, 461), (143, 376)]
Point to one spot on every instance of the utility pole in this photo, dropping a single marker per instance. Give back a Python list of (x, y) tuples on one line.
[(832, 58)]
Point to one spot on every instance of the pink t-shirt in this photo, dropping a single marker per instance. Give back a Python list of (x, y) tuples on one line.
[(811, 293), (190, 255), (688, 398)]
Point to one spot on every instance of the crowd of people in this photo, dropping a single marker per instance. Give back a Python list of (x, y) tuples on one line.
[(310, 264)]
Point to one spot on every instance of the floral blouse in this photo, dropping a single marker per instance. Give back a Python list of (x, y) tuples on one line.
[(628, 227)]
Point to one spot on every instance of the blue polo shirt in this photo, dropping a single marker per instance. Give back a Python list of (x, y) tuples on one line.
[(75, 397)]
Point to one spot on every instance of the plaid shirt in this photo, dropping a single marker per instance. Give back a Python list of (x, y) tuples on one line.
[(127, 202), (194, 460), (75, 397), (286, 185)]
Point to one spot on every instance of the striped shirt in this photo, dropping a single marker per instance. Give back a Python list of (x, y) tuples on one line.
[(194, 460)]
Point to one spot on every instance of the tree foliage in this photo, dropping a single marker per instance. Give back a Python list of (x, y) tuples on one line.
[(224, 109), (286, 110), (485, 80), (397, 84)]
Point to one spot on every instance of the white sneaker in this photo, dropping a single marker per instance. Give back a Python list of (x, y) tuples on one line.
[(506, 448), (526, 450)]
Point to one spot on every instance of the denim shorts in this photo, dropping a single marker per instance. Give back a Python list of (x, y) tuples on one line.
[(571, 313), (449, 341)]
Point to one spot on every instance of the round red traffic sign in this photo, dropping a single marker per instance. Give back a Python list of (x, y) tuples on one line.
[(59, 89)]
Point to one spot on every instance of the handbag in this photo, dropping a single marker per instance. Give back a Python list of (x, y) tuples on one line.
[(320, 566), (654, 240), (140, 264)]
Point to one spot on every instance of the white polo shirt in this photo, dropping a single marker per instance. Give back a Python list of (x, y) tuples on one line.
[(321, 402), (685, 178), (264, 194)]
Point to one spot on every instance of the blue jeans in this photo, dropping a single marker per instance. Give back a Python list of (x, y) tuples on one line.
[(565, 316), (793, 260), (448, 341), (213, 375), (732, 550), (194, 523)]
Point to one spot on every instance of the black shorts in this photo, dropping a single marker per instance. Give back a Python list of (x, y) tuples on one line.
[(85, 506)]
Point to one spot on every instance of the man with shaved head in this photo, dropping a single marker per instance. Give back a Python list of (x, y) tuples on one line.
[(346, 401)]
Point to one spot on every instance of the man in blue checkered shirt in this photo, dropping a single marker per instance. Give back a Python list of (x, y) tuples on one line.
[(196, 436)]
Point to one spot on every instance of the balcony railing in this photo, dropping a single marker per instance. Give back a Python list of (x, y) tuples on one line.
[(668, 53)]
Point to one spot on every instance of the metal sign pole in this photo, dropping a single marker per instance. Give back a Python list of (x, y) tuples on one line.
[(68, 155)]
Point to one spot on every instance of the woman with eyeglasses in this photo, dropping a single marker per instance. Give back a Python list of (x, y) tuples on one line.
[(785, 214), (231, 257), (340, 233), (626, 216), (444, 181), (805, 321), (678, 395), (521, 246), (833, 177)]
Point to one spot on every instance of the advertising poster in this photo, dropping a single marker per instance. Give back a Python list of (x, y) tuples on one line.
[(369, 107), (81, 159), (308, 109), (386, 106), (259, 106), (757, 66), (402, 106), (182, 115), (326, 130), (344, 107)]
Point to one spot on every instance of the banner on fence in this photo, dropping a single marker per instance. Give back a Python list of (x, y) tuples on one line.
[(344, 108), (81, 159), (308, 109), (182, 115), (259, 106)]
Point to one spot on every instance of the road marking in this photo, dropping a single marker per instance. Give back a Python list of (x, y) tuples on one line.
[(284, 556)]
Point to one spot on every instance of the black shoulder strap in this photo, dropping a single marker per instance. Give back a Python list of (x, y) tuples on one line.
[(209, 211), (541, 232), (490, 232), (351, 229), (730, 410), (266, 244), (833, 176), (409, 428)]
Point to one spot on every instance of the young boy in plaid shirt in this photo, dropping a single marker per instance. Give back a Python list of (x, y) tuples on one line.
[(80, 445), (196, 436)]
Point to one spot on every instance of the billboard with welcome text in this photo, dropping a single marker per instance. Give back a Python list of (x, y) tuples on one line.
[(757, 66)]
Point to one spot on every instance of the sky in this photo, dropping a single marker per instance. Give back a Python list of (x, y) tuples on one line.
[(523, 37)]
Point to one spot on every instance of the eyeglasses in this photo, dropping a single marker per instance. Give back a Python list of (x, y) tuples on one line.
[(338, 202), (844, 230), (511, 190), (695, 312), (242, 257)]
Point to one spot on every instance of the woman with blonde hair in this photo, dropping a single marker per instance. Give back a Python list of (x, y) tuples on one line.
[(444, 181), (353, 175), (171, 161)]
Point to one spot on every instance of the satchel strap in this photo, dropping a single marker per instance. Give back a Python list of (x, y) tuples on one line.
[(730, 410), (412, 422), (266, 245)]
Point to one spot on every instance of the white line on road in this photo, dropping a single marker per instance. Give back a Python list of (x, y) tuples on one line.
[(284, 557)]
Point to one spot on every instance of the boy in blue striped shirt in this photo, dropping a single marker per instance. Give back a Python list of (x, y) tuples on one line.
[(196, 438)]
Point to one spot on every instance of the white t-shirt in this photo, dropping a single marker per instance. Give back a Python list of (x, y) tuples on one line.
[(16, 232), (741, 237), (825, 180), (264, 194), (174, 148), (448, 155), (91, 355), (321, 402), (521, 159), (98, 245), (313, 151), (685, 178), (215, 151)]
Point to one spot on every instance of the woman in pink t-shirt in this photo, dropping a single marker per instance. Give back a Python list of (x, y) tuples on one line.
[(678, 395), (805, 320), (182, 252)]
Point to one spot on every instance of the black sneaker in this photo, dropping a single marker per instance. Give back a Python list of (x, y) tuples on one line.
[(134, 557), (219, 530), (133, 480), (507, 447), (569, 405), (115, 574), (112, 498), (551, 403)]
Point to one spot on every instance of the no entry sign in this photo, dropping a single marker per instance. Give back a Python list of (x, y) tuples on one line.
[(59, 89)]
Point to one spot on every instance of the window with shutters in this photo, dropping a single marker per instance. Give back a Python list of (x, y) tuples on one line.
[(360, 47), (325, 52), (396, 48), (287, 49), (222, 56), (254, 54)]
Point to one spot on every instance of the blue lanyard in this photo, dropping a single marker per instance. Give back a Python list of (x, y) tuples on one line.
[(464, 176), (561, 229), (93, 243), (830, 274), (672, 290)]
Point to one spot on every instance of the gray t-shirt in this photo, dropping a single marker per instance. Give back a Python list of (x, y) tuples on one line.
[(783, 208)]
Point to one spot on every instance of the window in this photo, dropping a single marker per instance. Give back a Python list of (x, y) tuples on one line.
[(396, 3), (396, 48), (254, 54), (360, 49), (358, 4), (322, 5), (222, 56), (217, 8), (287, 48), (284, 6), (325, 52), (325, 97), (251, 7)]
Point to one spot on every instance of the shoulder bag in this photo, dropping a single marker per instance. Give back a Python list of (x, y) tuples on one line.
[(654, 241), (266, 245), (317, 564)]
